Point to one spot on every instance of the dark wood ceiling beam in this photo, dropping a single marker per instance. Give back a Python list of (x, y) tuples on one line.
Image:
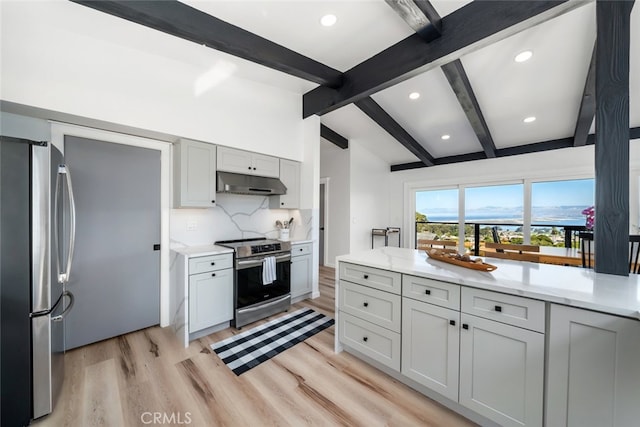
[(333, 136), (457, 77), (587, 110), (613, 41), (186, 22), (536, 147), (393, 128), (419, 15), (467, 29)]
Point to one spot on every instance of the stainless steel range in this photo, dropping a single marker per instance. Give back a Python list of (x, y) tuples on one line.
[(262, 283)]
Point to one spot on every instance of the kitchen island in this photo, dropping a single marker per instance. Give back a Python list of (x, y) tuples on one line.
[(526, 344)]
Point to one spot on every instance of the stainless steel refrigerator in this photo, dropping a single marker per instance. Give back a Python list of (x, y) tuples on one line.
[(37, 223)]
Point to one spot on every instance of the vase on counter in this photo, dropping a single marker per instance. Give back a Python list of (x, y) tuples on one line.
[(284, 234)]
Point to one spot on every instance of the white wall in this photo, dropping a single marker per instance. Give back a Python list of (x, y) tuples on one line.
[(64, 57), (334, 165), (557, 164), (369, 178)]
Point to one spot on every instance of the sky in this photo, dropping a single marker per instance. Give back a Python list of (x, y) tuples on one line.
[(508, 197)]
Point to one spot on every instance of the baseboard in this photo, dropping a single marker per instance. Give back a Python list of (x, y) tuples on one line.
[(204, 332), (326, 264)]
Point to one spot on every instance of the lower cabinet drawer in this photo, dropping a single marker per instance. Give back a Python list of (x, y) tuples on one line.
[(371, 340), (204, 264), (378, 307)]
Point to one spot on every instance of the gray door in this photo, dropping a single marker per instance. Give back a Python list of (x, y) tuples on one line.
[(115, 275), (322, 207)]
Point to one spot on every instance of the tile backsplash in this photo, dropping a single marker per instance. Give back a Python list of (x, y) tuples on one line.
[(235, 217)]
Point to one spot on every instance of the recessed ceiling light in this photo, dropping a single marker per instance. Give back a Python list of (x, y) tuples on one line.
[(445, 137), (328, 20), (414, 95), (523, 56), (529, 119)]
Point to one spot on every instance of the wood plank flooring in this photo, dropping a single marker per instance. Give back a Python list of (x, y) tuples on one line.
[(147, 378)]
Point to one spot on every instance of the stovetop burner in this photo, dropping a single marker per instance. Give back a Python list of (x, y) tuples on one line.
[(256, 246)]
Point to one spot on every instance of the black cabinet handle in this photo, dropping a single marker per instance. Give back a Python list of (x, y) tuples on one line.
[(366, 276), (213, 263), (366, 304), (213, 274), (213, 201), (365, 339), (465, 326), (254, 168), (301, 249), (427, 291), (282, 203), (452, 322), (249, 168), (498, 308)]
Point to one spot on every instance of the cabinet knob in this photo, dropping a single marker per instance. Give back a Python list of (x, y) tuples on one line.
[(498, 308), (465, 326), (366, 276), (365, 339), (213, 274), (282, 203), (301, 249), (366, 304), (254, 168), (249, 167), (213, 263), (452, 322), (427, 291)]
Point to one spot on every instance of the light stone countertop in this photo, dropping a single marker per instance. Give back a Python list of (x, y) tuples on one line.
[(196, 251), (572, 286)]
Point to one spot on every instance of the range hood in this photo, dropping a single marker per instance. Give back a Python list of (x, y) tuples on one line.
[(236, 183)]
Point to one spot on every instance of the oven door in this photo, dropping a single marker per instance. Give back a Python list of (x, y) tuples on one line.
[(249, 287)]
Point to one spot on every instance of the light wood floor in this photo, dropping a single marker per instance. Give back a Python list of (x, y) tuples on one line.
[(123, 381)]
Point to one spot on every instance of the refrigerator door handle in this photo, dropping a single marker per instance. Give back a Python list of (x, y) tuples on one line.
[(60, 317), (63, 277)]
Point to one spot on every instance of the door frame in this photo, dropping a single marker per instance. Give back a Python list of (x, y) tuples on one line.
[(60, 130), (325, 255)]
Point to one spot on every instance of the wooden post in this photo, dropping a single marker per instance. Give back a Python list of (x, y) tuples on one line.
[(612, 137)]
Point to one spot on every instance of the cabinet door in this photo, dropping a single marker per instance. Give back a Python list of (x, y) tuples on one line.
[(232, 160), (594, 369), (195, 173), (290, 177), (430, 346), (300, 275), (210, 299), (265, 165), (501, 371)]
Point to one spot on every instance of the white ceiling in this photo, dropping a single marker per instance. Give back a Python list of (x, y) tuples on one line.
[(549, 86)]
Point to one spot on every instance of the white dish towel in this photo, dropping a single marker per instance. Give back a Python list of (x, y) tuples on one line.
[(268, 270)]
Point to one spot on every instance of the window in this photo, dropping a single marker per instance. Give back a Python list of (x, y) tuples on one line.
[(440, 209), (556, 206), (496, 206)]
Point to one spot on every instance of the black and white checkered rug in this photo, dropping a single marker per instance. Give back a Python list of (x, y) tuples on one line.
[(250, 348)]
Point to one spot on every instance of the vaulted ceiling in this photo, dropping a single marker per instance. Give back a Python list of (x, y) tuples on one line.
[(358, 73)]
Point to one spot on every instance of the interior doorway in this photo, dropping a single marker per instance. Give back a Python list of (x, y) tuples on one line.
[(323, 229)]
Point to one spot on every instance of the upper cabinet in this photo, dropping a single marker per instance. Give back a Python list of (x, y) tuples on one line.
[(194, 174), (238, 161), (290, 177)]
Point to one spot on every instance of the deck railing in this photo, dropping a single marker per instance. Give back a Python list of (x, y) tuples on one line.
[(570, 240)]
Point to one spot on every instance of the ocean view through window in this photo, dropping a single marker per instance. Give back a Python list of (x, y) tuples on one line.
[(555, 212)]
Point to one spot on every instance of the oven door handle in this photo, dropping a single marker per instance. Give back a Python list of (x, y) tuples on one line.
[(265, 305), (241, 265)]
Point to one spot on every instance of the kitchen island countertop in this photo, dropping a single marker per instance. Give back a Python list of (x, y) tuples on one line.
[(571, 286)]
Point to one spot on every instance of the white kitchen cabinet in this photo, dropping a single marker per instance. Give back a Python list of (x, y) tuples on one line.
[(246, 162), (301, 269), (210, 299), (501, 371), (290, 177), (593, 370), (430, 345), (194, 174)]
